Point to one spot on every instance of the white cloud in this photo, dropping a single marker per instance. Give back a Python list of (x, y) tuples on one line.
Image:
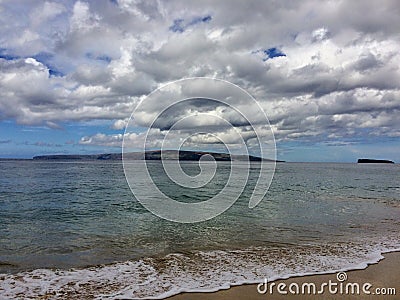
[(82, 19), (45, 12), (340, 73), (120, 124), (320, 34)]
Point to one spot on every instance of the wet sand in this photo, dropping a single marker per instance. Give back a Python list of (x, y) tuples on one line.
[(385, 274)]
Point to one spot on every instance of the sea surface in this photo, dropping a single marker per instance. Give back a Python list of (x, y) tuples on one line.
[(72, 229)]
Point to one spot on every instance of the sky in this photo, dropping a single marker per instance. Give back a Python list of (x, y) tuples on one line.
[(326, 73)]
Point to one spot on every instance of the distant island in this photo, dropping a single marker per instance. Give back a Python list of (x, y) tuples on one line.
[(155, 155), (374, 161)]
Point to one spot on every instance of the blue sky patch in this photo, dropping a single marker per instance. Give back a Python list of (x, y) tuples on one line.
[(55, 73), (180, 25), (105, 58), (45, 58), (102, 57), (7, 56), (272, 53), (197, 20)]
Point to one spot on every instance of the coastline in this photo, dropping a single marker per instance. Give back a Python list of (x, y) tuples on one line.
[(383, 274)]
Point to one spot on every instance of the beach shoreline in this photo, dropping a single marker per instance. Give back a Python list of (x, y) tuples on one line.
[(383, 275)]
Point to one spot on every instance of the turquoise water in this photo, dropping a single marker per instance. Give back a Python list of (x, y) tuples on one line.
[(63, 222)]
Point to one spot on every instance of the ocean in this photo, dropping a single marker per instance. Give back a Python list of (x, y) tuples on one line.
[(73, 229)]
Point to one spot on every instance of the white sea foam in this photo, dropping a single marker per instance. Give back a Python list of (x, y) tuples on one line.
[(201, 271)]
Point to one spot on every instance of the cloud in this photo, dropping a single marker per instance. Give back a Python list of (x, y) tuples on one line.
[(31, 96), (101, 139), (45, 144), (335, 76), (42, 144), (119, 124), (320, 34)]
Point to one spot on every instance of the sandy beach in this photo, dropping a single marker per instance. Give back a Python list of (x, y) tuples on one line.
[(385, 274)]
